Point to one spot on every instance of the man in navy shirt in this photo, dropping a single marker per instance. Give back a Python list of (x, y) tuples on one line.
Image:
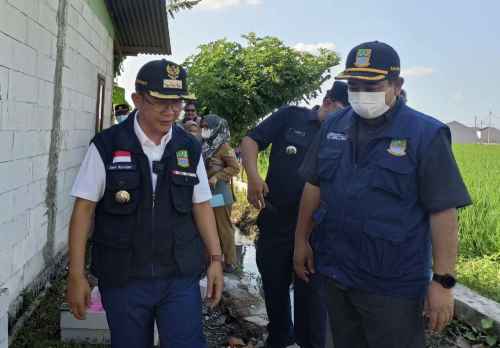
[(290, 130), (381, 203)]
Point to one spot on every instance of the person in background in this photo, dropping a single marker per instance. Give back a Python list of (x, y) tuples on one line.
[(290, 130), (121, 112), (190, 112), (193, 128), (222, 166)]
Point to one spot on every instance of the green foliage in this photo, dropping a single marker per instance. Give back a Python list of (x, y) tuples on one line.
[(481, 274), (480, 223), (244, 83), (175, 6), (119, 95), (118, 59)]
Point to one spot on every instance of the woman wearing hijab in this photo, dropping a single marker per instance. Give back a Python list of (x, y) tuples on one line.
[(222, 165)]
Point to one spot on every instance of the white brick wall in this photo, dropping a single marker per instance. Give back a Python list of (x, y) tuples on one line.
[(28, 41)]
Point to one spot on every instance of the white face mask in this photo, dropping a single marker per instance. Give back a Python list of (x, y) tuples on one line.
[(368, 105), (121, 118), (206, 133)]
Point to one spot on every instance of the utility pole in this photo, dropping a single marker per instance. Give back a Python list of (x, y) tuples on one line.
[(489, 128)]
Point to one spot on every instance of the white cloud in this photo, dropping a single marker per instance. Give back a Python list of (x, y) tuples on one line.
[(218, 4), (314, 48), (417, 71)]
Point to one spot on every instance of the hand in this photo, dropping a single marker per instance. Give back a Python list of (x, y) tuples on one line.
[(78, 295), (256, 191), (215, 283), (303, 260), (212, 181), (438, 307)]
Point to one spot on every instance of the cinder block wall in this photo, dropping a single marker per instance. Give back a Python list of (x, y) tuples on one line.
[(29, 31)]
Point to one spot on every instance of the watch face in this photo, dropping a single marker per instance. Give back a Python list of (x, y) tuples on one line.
[(448, 281)]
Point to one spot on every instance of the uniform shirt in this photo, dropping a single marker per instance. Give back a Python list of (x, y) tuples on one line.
[(440, 184), (290, 130), (90, 183)]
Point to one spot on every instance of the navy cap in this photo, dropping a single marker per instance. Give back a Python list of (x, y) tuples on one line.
[(338, 92), (163, 79), (371, 61)]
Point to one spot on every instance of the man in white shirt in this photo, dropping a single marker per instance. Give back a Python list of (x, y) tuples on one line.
[(144, 186)]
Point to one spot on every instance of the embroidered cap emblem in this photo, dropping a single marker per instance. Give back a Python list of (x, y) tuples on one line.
[(363, 56)]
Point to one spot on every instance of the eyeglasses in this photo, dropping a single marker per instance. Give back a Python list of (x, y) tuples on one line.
[(163, 105), (189, 110)]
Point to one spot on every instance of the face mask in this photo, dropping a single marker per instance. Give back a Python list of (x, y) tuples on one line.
[(368, 105), (121, 118), (206, 133)]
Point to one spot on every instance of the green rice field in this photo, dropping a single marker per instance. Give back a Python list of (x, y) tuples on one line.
[(479, 254)]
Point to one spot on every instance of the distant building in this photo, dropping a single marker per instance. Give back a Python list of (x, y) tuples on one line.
[(490, 135), (462, 134)]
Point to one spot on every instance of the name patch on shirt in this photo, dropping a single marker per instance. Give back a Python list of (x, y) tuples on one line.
[(182, 158), (336, 136), (191, 175), (122, 166)]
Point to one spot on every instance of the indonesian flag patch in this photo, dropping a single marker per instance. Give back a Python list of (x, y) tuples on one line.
[(121, 157)]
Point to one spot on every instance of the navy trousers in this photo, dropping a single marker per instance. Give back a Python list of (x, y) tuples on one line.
[(275, 264), (174, 303)]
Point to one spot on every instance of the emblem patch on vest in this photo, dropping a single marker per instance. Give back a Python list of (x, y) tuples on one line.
[(397, 147), (182, 158)]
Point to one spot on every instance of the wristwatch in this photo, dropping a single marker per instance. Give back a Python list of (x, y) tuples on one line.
[(216, 258), (447, 281)]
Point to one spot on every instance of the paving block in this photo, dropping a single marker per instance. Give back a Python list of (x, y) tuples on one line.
[(94, 329), (472, 308)]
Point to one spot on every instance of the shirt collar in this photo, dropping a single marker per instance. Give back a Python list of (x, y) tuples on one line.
[(144, 139)]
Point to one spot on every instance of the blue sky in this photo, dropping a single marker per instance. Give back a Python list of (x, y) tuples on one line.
[(450, 50)]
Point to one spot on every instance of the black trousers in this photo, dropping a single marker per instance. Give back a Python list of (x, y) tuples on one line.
[(275, 264), (364, 320)]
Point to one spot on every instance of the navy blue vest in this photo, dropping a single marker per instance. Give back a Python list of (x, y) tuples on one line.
[(153, 234), (372, 233)]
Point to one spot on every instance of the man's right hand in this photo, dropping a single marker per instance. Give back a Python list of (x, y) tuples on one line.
[(256, 191), (303, 260), (78, 295)]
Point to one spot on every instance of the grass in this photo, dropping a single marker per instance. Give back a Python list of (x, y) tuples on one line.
[(479, 261)]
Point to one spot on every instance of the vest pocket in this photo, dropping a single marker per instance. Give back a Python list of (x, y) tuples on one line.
[(381, 247), (182, 192), (392, 175), (328, 162), (122, 192)]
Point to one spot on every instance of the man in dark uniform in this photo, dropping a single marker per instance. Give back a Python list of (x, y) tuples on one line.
[(121, 112), (290, 131), (144, 185), (382, 189)]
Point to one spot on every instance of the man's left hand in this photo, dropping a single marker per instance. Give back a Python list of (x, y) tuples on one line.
[(215, 283), (438, 307)]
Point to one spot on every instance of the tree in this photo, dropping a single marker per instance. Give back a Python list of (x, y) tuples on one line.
[(245, 83), (175, 6)]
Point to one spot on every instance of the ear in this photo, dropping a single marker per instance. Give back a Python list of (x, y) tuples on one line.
[(137, 99), (398, 85)]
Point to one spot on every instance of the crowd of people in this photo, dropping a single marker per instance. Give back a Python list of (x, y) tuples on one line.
[(358, 211)]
